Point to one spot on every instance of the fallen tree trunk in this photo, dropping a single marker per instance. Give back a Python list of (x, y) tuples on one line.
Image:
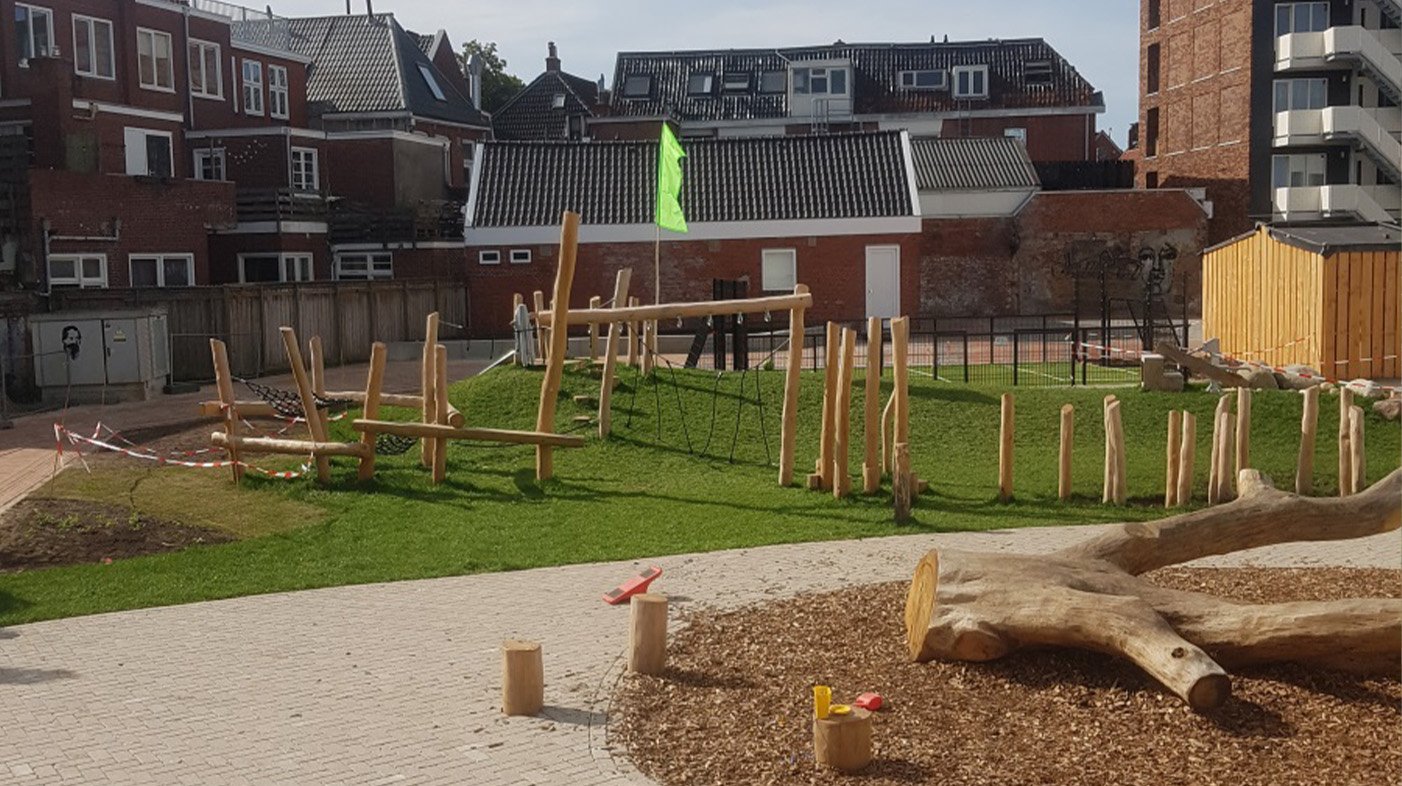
[(975, 606)]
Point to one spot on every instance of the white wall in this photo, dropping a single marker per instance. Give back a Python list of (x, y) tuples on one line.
[(958, 204)]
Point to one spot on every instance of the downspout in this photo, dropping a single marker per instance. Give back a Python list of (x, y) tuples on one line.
[(189, 94)]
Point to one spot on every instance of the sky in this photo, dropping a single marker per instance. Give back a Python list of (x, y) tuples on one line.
[(1099, 37)]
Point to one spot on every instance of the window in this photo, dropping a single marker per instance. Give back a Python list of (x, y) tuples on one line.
[(162, 270), (1301, 18), (252, 87), (274, 268), (1151, 132), (209, 164), (489, 257), (78, 270), (971, 81), (154, 61), (278, 92), (1020, 134), (1300, 94), (778, 269), (92, 48), (427, 74), (1297, 171), (148, 152), (637, 86), (520, 256), (773, 82), (1151, 179), (700, 84), (364, 266), (1153, 22), (923, 80), (205, 70), (736, 82), (557, 101), (820, 81), (304, 174), (1038, 72), (1151, 69), (34, 28)]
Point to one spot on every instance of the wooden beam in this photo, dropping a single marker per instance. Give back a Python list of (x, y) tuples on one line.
[(559, 339), (426, 382), (871, 403), (705, 308), (620, 294), (228, 407), (440, 394), (788, 429), (595, 303), (842, 421), (374, 380), (304, 390), (435, 431), (831, 360), (1063, 464), (1200, 366), (1005, 448), (291, 447)]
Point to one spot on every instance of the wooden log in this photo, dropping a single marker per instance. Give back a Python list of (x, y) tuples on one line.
[(542, 333), (1063, 464), (1309, 427), (1228, 490), (559, 343), (620, 294), (522, 678), (832, 349), (318, 365), (1345, 451), (1173, 458), (1005, 448), (427, 375), (647, 634), (290, 447), (408, 400), (888, 434), (470, 433), (843, 742), (1243, 430), (228, 405), (304, 391), (1187, 457), (595, 303), (871, 404), (900, 373), (670, 311), (440, 394), (1358, 462), (788, 428), (1214, 477), (649, 346), (1117, 429), (842, 420), (633, 335), (902, 491), (371, 400), (1107, 492), (1200, 366)]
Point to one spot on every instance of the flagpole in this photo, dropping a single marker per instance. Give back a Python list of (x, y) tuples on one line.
[(657, 267)]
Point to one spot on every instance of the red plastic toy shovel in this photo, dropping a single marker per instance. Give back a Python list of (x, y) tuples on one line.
[(631, 587)]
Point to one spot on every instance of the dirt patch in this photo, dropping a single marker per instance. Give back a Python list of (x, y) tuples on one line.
[(735, 706), (42, 533)]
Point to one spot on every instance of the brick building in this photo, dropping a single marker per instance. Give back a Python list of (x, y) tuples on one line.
[(555, 105), (1284, 111), (161, 143)]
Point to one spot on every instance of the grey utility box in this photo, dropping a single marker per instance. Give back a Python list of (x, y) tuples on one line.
[(101, 356)]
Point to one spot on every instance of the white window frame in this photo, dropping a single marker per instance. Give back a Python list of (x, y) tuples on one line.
[(203, 48), (315, 168), (707, 79), (78, 279), (489, 256), (303, 264), (910, 80), (49, 45), (138, 164), (736, 82), (279, 92), (1311, 83), (806, 75), (251, 88), (377, 265), (1016, 132), (778, 256), (211, 154), (520, 256), (1291, 12), (557, 101), (161, 260), (147, 34), (92, 23), (980, 71)]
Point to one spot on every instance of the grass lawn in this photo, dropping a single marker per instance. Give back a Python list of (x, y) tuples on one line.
[(639, 494)]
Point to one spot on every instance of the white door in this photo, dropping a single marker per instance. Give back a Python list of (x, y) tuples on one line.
[(883, 281)]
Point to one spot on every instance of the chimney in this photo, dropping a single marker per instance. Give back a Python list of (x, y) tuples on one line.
[(474, 78), (552, 60)]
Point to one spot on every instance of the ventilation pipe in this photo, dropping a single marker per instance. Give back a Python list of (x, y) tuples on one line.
[(474, 75)]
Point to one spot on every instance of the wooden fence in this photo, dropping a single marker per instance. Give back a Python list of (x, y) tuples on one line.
[(348, 315)]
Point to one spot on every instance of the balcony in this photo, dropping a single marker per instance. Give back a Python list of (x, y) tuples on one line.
[(429, 221), (1371, 204), (279, 206), (1375, 130), (1376, 52)]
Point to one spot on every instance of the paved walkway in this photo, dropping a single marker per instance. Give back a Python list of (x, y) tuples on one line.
[(398, 683)]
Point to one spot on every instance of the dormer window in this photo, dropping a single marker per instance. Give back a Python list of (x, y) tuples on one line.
[(820, 81), (637, 86), (773, 82), (427, 74), (924, 80), (736, 83), (700, 84), (1038, 72), (971, 81), (557, 101)]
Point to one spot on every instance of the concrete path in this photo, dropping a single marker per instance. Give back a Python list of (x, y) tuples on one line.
[(398, 683)]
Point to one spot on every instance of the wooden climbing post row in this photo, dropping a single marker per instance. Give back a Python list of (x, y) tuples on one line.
[(559, 337), (227, 403), (1309, 426), (842, 420), (1173, 458), (788, 428), (1358, 463), (611, 348), (1005, 448), (1243, 430), (309, 410), (822, 472), (1188, 447), (871, 403), (1063, 463), (374, 381), (594, 302)]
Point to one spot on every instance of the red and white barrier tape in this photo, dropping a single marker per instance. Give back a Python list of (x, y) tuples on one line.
[(1132, 353), (60, 432), (1301, 375)]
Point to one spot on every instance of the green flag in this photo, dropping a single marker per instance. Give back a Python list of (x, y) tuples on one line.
[(669, 181)]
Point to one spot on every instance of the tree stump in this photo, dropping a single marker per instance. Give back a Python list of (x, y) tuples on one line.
[(522, 678), (843, 742)]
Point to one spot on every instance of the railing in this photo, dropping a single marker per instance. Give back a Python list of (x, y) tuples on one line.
[(279, 204), (251, 25), (1305, 203), (1343, 43), (431, 220), (1313, 126)]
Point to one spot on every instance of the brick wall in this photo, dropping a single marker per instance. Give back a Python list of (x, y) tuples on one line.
[(224, 251), (1049, 138)]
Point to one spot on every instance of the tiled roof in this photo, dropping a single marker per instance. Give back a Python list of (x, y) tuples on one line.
[(532, 114), (425, 42), (978, 163), (366, 63), (729, 179), (875, 85)]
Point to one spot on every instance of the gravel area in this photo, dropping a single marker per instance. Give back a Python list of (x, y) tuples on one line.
[(735, 706)]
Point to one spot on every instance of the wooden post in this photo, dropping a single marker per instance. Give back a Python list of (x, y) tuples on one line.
[(224, 381), (902, 481), (633, 337), (1359, 460), (318, 365), (1117, 432), (647, 634), (871, 403), (1214, 477), (1345, 452), (1309, 426), (309, 410), (1228, 490), (788, 428), (559, 337), (522, 678), (1107, 492), (888, 433), (375, 380), (517, 299), (1063, 464), (440, 393), (1188, 454), (620, 294), (1243, 430), (427, 381), (542, 333), (594, 302), (1005, 449), (902, 492), (1173, 458), (825, 437), (649, 346), (842, 422), (843, 742)]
